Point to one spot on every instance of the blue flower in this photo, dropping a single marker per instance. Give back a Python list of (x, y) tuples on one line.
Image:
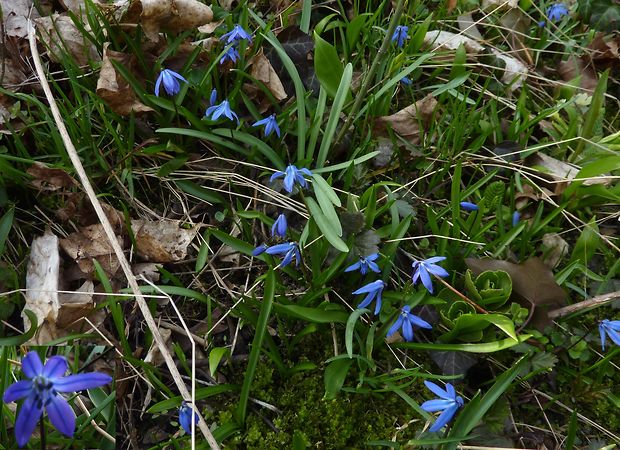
[(259, 250), (374, 290), (291, 176), (41, 390), (279, 226), (448, 402), (236, 34), (406, 320), (424, 269), (288, 251), (516, 216), (214, 111), (232, 54), (171, 82), (555, 13), (270, 125), (365, 263), (468, 206), (185, 417), (400, 35), (611, 328), (406, 81)]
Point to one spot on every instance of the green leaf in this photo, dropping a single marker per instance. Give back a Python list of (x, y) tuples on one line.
[(347, 164), (593, 169), (486, 347), (316, 315), (354, 29), (22, 338), (327, 207), (191, 188), (326, 227), (491, 289), (348, 334), (253, 142), (215, 356), (335, 374), (201, 393), (5, 227), (472, 323), (327, 65), (587, 244), (326, 189)]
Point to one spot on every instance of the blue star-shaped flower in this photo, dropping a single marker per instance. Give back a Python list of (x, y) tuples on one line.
[(171, 82), (468, 206), (279, 226), (185, 417), (448, 402), (365, 263), (260, 250), (41, 391), (609, 328), (214, 111), (231, 54), (373, 290), (270, 125), (406, 320), (555, 13), (400, 35), (406, 81), (291, 176), (236, 34), (288, 251), (424, 269)]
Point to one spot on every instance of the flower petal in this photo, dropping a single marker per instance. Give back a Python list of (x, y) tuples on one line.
[(17, 391), (434, 259), (158, 84), (426, 278), (81, 381), (32, 365), (367, 300), (450, 390), (354, 266), (438, 270), (407, 330), (418, 322), (436, 405), (279, 249), (444, 418), (27, 419), (614, 335), (55, 367), (395, 326), (436, 389), (61, 415), (278, 174)]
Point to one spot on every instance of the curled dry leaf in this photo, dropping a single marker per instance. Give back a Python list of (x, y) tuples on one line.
[(15, 14), (75, 306), (263, 71), (406, 122), (114, 89), (174, 16), (88, 243), (210, 27), (48, 178), (162, 240), (514, 71), (42, 277), (61, 36), (438, 40)]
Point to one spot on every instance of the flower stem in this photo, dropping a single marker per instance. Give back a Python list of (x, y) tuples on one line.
[(42, 431), (471, 302)]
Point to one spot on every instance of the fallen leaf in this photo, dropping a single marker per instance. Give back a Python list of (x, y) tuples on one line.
[(450, 5), (49, 179), (162, 240), (154, 355), (210, 28), (438, 40), (554, 248), (604, 49), (15, 14), (468, 27), (114, 89), (150, 271), (453, 363), (76, 306), (574, 67), (298, 46), (263, 71), (517, 24), (500, 3), (514, 70), (60, 35), (88, 243), (42, 277), (406, 122)]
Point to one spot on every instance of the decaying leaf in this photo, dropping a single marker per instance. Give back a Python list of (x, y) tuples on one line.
[(88, 243), (75, 306), (154, 355), (453, 363), (174, 16), (48, 178), (42, 286), (468, 27), (162, 240), (574, 67), (114, 89), (514, 70), (445, 40), (406, 121), (560, 172), (517, 23), (499, 3), (210, 28), (61, 36), (15, 14), (263, 71), (554, 248)]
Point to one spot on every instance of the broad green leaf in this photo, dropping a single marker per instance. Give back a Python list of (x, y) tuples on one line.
[(327, 189), (6, 222), (201, 393), (335, 374), (354, 29), (326, 227), (587, 244), (470, 323), (191, 188), (327, 65), (316, 315), (22, 338), (348, 334), (486, 347), (215, 356)]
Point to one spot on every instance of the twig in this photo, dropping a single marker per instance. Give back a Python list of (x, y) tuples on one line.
[(107, 227), (590, 303), (471, 302), (95, 425)]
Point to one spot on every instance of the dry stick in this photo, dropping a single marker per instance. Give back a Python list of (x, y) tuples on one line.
[(93, 423), (107, 227), (471, 302), (594, 301)]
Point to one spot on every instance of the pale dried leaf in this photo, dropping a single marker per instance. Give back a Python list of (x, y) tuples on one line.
[(15, 14), (468, 26), (114, 89), (49, 179), (88, 243), (61, 36), (162, 240), (263, 71), (406, 121), (500, 3), (76, 306), (554, 248), (13, 76), (210, 27), (514, 70), (42, 276), (147, 270), (444, 40), (154, 355)]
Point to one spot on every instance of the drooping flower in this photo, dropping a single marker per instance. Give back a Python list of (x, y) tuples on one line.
[(171, 82), (365, 263), (424, 269), (406, 320), (270, 125), (374, 291), (291, 176), (214, 111), (400, 35), (185, 416), (448, 402), (468, 206), (609, 328), (231, 54), (236, 34), (555, 13), (279, 226), (287, 251), (516, 216), (41, 391)]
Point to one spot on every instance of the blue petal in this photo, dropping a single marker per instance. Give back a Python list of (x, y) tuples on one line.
[(370, 287), (158, 83), (177, 75), (213, 98), (289, 181), (61, 415), (436, 405), (259, 250), (81, 381), (516, 216), (185, 414), (367, 300), (468, 206), (395, 326), (306, 171), (418, 322), (407, 330), (426, 278), (434, 259), (279, 249), (17, 391), (27, 419), (278, 174), (261, 122), (55, 367), (614, 335), (297, 255), (444, 418), (450, 390), (603, 333), (287, 258), (437, 270), (354, 266), (614, 324), (374, 267), (436, 389), (32, 365), (379, 303)]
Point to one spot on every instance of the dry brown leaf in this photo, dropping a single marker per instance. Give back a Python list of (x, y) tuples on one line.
[(575, 67), (49, 179), (605, 48), (263, 71), (114, 89), (174, 16), (210, 27), (88, 243), (15, 14), (517, 23), (562, 173), (149, 271), (154, 355), (76, 306), (514, 70), (444, 40), (13, 76), (554, 249), (162, 240), (450, 5), (60, 35), (42, 276), (406, 121)]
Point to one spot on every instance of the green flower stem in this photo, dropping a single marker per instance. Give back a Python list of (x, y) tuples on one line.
[(471, 302), (42, 431), (381, 55)]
